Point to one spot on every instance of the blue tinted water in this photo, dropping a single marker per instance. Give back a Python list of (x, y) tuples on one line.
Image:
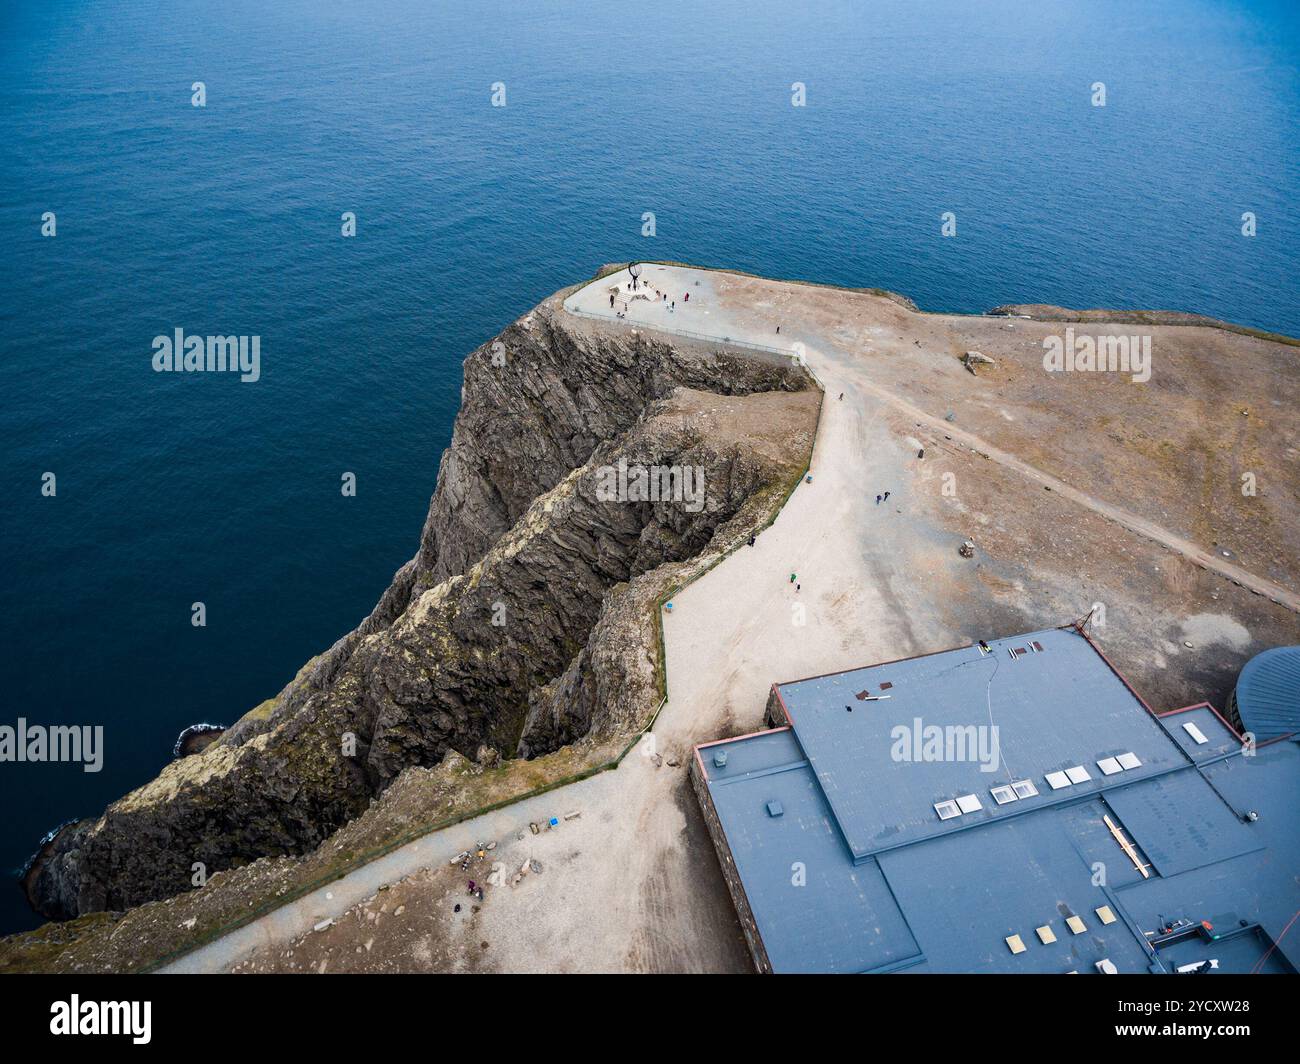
[(174, 489)]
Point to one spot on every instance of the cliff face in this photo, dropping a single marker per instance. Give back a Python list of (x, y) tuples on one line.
[(519, 625)]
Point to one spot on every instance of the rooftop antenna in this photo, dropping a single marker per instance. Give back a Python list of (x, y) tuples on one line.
[(1082, 623)]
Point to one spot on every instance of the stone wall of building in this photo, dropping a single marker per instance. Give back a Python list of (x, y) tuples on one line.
[(729, 872)]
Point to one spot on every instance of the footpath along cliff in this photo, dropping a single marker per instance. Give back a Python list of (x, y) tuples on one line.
[(525, 622)]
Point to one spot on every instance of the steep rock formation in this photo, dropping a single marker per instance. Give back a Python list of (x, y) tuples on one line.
[(519, 624)]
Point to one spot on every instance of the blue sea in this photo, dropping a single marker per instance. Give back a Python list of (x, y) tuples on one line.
[(173, 489)]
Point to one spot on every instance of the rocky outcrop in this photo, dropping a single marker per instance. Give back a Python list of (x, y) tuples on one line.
[(520, 625)]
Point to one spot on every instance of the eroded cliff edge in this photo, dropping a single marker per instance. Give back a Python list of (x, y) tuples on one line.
[(522, 627)]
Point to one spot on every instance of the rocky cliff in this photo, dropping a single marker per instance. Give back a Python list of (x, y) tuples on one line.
[(518, 627)]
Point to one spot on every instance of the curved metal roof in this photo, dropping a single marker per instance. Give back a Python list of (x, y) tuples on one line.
[(1268, 693)]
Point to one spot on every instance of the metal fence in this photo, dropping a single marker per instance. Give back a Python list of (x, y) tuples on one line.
[(786, 352)]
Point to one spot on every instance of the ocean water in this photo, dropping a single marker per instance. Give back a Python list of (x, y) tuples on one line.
[(174, 489)]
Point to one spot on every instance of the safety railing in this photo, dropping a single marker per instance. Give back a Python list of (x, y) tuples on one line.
[(788, 352)]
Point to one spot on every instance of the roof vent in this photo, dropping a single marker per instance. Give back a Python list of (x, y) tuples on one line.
[(1106, 966), (774, 809), (720, 759), (1197, 735), (1002, 794), (947, 810)]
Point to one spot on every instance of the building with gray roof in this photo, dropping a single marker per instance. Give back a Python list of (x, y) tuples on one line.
[(1011, 806)]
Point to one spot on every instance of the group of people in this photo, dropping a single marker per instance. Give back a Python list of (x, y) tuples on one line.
[(663, 296)]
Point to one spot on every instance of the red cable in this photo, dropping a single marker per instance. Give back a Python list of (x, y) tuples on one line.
[(1260, 964)]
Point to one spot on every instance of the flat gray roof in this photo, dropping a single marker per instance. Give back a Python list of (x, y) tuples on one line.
[(1018, 717), (848, 867)]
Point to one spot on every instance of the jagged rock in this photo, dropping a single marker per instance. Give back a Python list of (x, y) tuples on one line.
[(520, 625)]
